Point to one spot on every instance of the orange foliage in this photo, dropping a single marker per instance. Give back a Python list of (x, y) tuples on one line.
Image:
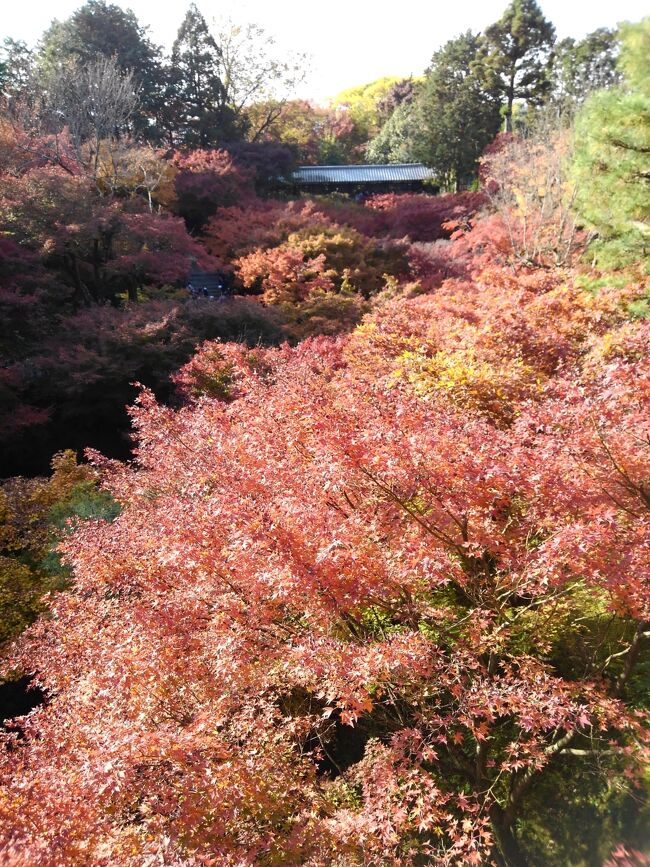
[(364, 592)]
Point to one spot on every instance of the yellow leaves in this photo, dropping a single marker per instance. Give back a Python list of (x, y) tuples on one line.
[(27, 537), (129, 170), (66, 473), (488, 385), (19, 592), (520, 198)]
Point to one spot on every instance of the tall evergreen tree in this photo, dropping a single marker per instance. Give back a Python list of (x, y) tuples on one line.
[(515, 54), (196, 95), (16, 67), (459, 113), (581, 67), (396, 140)]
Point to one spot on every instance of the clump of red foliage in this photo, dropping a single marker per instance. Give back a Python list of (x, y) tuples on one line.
[(338, 619), (365, 593), (207, 180)]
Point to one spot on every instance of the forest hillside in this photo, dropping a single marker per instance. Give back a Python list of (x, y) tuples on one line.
[(349, 563)]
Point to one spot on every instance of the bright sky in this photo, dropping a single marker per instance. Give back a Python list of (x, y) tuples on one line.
[(350, 41)]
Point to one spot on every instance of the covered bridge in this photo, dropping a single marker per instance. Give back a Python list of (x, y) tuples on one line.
[(355, 180)]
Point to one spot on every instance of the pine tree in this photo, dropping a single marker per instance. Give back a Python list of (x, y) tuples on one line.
[(515, 55), (612, 163), (196, 93)]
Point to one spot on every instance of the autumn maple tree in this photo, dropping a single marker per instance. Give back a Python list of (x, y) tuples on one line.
[(369, 584), (364, 599)]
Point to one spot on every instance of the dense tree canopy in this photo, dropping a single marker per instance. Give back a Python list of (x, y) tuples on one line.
[(582, 67), (396, 140), (364, 104), (376, 593), (196, 89), (516, 52), (447, 120), (104, 30), (363, 577), (613, 144), (458, 113), (16, 66), (199, 95)]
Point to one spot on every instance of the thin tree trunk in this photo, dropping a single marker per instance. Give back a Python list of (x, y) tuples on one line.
[(511, 100), (82, 295)]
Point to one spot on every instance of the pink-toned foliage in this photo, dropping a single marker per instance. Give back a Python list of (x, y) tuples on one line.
[(422, 217), (101, 246), (207, 180), (284, 275), (347, 619), (529, 183), (368, 596), (23, 146), (220, 370), (320, 279), (624, 856), (261, 223), (156, 249), (264, 223)]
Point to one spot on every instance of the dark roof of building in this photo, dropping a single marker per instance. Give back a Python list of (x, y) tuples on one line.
[(362, 174)]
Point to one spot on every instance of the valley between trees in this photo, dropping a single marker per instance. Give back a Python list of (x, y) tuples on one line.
[(350, 566)]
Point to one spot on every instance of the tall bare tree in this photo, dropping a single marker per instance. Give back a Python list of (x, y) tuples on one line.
[(256, 70), (93, 102)]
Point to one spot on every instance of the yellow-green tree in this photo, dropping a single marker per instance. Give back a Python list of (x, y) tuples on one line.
[(33, 518), (363, 104)]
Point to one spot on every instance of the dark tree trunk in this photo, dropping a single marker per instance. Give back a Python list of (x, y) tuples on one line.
[(510, 94), (96, 275), (82, 295), (508, 852)]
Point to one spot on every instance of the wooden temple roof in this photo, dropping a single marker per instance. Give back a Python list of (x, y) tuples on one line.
[(362, 174)]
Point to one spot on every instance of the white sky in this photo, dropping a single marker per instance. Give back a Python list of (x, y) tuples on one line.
[(350, 41)]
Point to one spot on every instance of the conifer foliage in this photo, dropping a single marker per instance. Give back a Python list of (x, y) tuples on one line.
[(196, 86), (516, 50), (612, 164)]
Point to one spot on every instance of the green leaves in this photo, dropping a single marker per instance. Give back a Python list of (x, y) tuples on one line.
[(515, 52), (612, 158)]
